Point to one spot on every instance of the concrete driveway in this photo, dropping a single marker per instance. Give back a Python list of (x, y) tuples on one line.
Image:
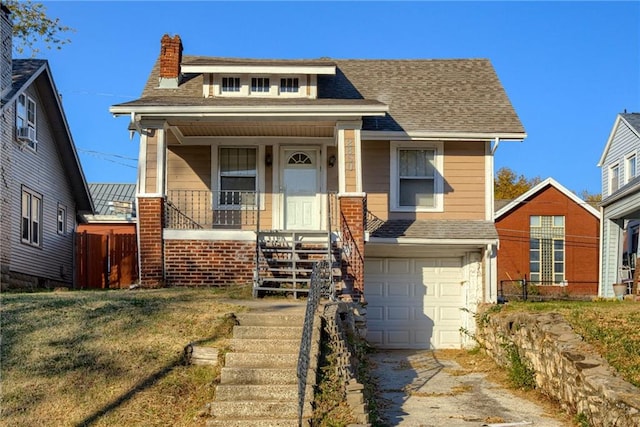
[(418, 388)]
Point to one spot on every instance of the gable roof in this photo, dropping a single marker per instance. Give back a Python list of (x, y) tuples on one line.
[(632, 120), (36, 72), (435, 96), (104, 194), (539, 188)]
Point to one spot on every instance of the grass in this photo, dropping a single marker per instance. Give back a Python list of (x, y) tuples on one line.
[(611, 327), (108, 358)]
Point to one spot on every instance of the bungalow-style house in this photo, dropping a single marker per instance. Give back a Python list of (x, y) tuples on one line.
[(620, 202), (42, 186), (251, 169), (550, 238)]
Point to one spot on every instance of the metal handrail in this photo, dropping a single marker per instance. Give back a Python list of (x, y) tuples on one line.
[(319, 287)]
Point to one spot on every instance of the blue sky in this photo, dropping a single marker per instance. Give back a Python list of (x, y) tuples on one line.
[(568, 67)]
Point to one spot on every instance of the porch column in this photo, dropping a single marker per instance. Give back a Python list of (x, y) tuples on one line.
[(352, 214), (349, 157), (150, 210)]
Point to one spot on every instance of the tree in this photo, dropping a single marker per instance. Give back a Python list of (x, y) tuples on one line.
[(590, 197), (32, 26), (508, 185)]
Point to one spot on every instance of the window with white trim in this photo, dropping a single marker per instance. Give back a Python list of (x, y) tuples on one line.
[(289, 85), (614, 178), (26, 121), (260, 85), (630, 167), (416, 177), (62, 219), (230, 84), (238, 176), (31, 227), (546, 249)]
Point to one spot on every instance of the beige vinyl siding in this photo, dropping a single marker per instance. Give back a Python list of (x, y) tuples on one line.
[(464, 181), (42, 172), (189, 168), (350, 161), (332, 172), (375, 177), (151, 167)]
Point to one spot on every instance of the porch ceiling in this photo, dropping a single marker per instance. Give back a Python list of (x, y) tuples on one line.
[(307, 129)]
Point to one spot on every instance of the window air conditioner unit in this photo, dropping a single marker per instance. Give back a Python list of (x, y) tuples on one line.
[(27, 134)]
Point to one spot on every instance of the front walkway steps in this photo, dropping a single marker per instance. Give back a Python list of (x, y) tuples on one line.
[(258, 383)]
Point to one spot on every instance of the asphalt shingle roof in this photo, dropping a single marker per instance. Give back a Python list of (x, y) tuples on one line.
[(437, 229), (21, 71), (633, 119), (438, 95)]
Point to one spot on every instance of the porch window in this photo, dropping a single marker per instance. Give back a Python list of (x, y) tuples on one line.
[(238, 173), (416, 180), (546, 249), (31, 227)]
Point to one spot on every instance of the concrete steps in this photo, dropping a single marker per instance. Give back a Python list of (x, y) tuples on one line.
[(258, 383)]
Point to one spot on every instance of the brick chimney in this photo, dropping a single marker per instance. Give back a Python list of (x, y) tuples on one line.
[(170, 58), (7, 50)]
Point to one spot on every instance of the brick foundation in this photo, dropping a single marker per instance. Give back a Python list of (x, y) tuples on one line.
[(352, 228), (150, 213), (209, 263)]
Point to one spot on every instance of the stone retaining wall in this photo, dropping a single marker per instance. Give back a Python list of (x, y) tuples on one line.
[(566, 368)]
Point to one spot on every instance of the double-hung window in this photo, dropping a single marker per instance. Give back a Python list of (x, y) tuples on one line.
[(62, 219), (614, 178), (26, 120), (416, 177), (630, 168), (238, 176), (546, 249), (31, 227)]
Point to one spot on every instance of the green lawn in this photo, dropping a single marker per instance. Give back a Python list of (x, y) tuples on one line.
[(108, 357), (612, 327)]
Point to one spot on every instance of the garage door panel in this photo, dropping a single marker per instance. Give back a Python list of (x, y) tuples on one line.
[(398, 337), (400, 289), (450, 290), (375, 288), (449, 314), (374, 313), (399, 313), (398, 266), (414, 303), (374, 266)]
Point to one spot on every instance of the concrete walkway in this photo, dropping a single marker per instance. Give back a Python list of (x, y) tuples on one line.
[(417, 389)]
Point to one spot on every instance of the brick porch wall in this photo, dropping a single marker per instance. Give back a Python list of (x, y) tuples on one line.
[(352, 212), (208, 263), (150, 214)]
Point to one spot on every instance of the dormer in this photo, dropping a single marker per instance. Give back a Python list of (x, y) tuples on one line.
[(227, 77)]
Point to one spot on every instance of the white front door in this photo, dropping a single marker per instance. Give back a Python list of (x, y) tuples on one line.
[(300, 189)]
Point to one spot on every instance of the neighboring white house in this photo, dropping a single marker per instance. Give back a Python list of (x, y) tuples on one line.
[(620, 201)]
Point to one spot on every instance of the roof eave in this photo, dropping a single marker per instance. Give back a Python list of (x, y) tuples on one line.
[(259, 69), (443, 135)]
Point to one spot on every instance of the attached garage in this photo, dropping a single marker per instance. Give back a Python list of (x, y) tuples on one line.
[(415, 302)]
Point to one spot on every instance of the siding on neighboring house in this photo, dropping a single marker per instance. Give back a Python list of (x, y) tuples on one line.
[(6, 188), (624, 143), (44, 173), (464, 181)]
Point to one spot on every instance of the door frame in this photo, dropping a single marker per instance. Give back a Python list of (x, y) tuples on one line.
[(278, 187)]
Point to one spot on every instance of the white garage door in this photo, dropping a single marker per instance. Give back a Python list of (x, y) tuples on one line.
[(414, 302)]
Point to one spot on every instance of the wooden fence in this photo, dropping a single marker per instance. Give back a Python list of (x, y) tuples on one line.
[(106, 261)]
